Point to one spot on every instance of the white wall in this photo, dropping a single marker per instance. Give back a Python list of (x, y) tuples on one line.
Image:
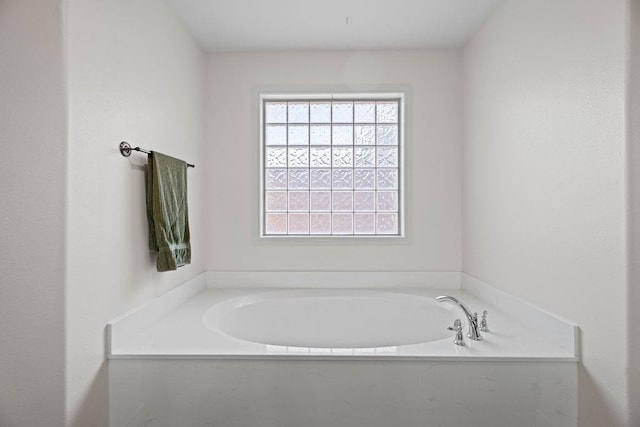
[(634, 211), (32, 213), (544, 175), (134, 74), (433, 157)]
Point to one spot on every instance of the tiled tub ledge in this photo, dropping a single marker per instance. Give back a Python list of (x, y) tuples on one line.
[(170, 362)]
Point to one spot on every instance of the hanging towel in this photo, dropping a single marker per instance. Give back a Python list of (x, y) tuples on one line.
[(167, 211)]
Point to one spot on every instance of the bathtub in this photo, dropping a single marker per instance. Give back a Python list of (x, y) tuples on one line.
[(211, 355), (331, 319)]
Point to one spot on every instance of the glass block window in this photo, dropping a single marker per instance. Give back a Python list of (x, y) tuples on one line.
[(331, 166)]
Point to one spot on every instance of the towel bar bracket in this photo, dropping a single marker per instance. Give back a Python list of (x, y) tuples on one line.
[(125, 149)]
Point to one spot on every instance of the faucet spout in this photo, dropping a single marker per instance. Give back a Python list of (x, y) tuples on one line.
[(472, 319)]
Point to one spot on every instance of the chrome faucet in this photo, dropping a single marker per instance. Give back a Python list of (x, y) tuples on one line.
[(472, 319)]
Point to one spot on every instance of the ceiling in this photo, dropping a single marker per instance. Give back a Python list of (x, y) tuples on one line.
[(243, 25)]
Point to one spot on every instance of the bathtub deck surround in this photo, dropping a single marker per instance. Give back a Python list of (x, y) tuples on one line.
[(221, 342)]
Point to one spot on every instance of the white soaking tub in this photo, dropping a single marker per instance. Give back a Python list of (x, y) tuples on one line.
[(227, 355), (320, 319)]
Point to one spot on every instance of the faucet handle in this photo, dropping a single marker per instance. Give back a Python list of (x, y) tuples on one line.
[(459, 338), (456, 324), (483, 322)]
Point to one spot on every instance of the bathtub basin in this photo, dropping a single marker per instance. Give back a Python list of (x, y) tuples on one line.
[(238, 322), (331, 319)]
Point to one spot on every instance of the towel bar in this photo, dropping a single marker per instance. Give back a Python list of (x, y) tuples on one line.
[(126, 148)]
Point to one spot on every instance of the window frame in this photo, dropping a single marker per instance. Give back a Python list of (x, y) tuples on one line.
[(400, 97)]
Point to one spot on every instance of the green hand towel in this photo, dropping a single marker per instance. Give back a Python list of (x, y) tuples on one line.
[(167, 211)]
